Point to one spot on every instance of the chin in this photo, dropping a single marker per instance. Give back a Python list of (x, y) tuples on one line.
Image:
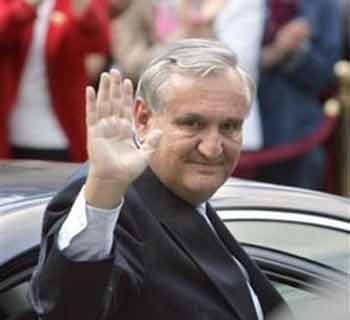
[(202, 189), (212, 181)]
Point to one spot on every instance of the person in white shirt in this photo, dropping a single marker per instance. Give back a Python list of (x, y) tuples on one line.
[(44, 46), (240, 25)]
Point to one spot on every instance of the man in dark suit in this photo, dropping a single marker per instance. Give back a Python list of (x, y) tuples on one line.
[(136, 238)]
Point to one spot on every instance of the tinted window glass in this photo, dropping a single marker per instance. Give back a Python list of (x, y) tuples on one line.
[(320, 244)]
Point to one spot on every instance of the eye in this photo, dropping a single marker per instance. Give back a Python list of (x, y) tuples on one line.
[(193, 123), (231, 127)]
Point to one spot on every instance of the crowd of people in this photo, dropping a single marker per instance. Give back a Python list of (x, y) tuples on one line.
[(51, 49)]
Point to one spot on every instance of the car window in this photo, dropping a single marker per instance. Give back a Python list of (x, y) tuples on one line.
[(25, 231), (14, 301), (323, 245), (306, 305), (297, 298)]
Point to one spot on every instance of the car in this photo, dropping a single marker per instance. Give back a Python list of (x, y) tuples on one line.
[(299, 238)]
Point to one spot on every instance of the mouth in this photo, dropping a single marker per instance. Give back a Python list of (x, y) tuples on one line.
[(206, 164), (207, 168)]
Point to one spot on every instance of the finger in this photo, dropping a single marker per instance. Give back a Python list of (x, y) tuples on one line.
[(115, 91), (151, 143), (115, 84), (91, 110), (103, 97), (128, 99)]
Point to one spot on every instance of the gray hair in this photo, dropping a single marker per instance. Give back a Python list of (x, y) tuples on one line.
[(197, 57)]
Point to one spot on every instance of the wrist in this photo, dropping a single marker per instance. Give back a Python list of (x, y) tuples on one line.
[(103, 193)]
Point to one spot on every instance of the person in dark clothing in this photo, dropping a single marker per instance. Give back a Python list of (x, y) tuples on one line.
[(132, 235), (302, 44)]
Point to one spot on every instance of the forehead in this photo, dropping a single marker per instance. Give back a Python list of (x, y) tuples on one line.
[(222, 92)]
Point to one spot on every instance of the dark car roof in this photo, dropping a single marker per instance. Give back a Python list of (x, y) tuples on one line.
[(23, 181)]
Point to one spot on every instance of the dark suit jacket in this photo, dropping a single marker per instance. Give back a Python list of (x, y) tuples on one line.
[(166, 264)]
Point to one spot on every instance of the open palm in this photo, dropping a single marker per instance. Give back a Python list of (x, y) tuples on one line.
[(112, 151)]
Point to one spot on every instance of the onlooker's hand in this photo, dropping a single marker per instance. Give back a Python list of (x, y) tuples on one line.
[(198, 26), (197, 21), (290, 37), (288, 40), (210, 8)]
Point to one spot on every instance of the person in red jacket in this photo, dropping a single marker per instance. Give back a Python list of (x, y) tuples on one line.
[(43, 48)]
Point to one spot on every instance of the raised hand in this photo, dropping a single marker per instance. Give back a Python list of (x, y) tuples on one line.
[(115, 160)]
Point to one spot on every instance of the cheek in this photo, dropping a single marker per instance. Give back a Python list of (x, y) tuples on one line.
[(178, 144), (232, 152)]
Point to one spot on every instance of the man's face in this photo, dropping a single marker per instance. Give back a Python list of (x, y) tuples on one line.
[(201, 141)]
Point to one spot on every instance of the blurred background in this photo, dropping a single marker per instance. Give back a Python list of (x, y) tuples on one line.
[(297, 51)]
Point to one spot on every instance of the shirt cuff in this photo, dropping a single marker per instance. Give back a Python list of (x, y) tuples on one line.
[(88, 232)]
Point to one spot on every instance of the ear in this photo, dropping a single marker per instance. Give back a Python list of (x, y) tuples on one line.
[(143, 117)]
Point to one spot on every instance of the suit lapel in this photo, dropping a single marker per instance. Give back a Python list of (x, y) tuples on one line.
[(199, 242), (226, 237)]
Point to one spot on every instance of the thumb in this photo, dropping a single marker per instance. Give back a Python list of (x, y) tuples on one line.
[(151, 142)]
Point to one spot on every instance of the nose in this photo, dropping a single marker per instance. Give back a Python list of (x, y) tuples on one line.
[(211, 145)]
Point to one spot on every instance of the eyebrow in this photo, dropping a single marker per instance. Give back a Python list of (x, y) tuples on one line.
[(197, 116), (191, 116)]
